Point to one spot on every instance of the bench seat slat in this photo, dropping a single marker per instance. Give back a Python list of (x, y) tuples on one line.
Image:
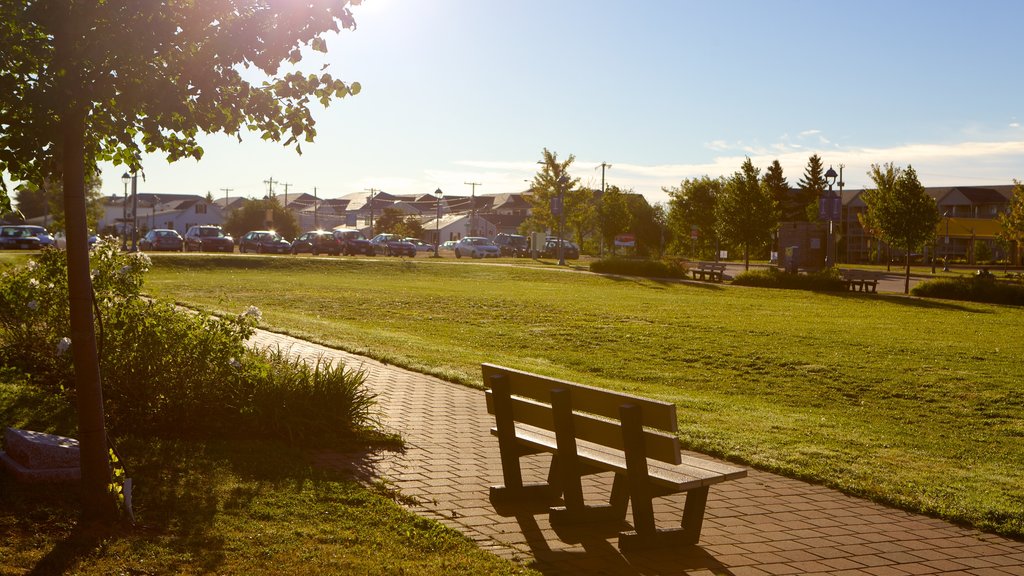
[(656, 413)]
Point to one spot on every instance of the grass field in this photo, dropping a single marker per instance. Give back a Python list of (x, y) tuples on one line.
[(910, 402)]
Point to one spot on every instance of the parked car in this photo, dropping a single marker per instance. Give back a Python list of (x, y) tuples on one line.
[(476, 247), (512, 245), (264, 242), (60, 240), (392, 245), (208, 238), (353, 242), (317, 242), (45, 238), (161, 239), (570, 251), (19, 238), (420, 245)]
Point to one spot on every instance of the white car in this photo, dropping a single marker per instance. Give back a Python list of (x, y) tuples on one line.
[(476, 247)]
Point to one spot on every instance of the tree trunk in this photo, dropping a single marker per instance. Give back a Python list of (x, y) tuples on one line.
[(906, 280), (98, 506)]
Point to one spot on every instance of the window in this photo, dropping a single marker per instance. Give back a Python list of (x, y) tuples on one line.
[(200, 208)]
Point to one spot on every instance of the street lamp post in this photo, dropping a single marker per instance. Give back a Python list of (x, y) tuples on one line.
[(437, 222), (830, 179), (945, 259), (125, 179)]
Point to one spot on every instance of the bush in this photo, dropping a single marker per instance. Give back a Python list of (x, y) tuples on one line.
[(645, 268), (982, 287), (169, 372), (827, 280)]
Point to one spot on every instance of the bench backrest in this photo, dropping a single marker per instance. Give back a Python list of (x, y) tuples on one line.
[(716, 266), (595, 411)]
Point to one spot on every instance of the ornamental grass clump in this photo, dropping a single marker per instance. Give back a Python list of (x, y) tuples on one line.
[(643, 268), (169, 372), (827, 280), (982, 287)]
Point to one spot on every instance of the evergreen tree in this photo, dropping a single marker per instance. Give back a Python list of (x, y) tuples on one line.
[(785, 200), (811, 189)]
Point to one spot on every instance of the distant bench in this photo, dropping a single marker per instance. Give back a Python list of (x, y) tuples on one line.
[(860, 280), (713, 271), (589, 430)]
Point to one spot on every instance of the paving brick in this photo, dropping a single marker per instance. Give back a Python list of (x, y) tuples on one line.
[(760, 525)]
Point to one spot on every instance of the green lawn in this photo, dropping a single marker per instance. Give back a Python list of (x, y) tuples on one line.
[(911, 402)]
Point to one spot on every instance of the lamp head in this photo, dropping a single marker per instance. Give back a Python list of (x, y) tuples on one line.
[(438, 194), (830, 176), (125, 178)]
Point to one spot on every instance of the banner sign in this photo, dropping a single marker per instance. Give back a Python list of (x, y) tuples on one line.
[(625, 240)]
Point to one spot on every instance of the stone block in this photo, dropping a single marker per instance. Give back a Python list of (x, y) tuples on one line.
[(41, 451), (23, 474)]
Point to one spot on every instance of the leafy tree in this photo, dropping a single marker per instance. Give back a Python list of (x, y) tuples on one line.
[(899, 210), (252, 215), (613, 216), (811, 188), (745, 210), (1011, 223), (84, 81), (394, 221), (692, 204), (549, 184)]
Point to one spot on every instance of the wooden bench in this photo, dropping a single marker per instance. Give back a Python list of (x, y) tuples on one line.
[(589, 430), (860, 280), (713, 271)]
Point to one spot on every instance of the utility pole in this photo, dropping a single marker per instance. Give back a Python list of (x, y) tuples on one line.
[(845, 240), (225, 191), (372, 191), (472, 208), (286, 185), (316, 223), (602, 166), (270, 183)]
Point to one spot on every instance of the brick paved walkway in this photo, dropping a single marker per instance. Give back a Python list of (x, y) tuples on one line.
[(762, 524)]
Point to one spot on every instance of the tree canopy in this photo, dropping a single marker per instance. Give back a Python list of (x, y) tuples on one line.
[(84, 81), (745, 210), (899, 210), (553, 184), (811, 188), (253, 215), (1012, 222), (691, 207)]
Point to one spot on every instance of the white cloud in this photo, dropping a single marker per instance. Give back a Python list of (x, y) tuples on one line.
[(807, 133)]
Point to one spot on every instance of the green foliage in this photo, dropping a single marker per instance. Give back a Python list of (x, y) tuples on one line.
[(827, 280), (691, 206), (746, 211), (899, 211), (252, 215), (811, 187), (168, 372), (394, 221), (777, 187), (639, 267), (613, 216), (550, 183), (982, 287), (1011, 222)]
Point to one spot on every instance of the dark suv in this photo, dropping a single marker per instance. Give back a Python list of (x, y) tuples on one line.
[(353, 242), (208, 239), (317, 242), (512, 245)]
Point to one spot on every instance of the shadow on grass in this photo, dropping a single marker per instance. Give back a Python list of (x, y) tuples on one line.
[(922, 303), (191, 501)]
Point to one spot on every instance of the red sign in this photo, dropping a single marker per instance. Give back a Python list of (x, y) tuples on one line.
[(625, 240)]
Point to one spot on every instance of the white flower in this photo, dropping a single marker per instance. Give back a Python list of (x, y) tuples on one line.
[(32, 282), (32, 264), (62, 345), (32, 304), (143, 259), (94, 273), (252, 312), (235, 363)]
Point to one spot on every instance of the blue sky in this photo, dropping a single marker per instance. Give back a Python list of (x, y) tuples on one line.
[(457, 91)]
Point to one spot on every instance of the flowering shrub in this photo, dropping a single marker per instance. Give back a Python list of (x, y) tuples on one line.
[(166, 371)]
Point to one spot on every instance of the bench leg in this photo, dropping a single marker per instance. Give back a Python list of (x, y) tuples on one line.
[(511, 472), (569, 469)]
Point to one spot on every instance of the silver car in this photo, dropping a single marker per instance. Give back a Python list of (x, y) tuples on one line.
[(476, 247)]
